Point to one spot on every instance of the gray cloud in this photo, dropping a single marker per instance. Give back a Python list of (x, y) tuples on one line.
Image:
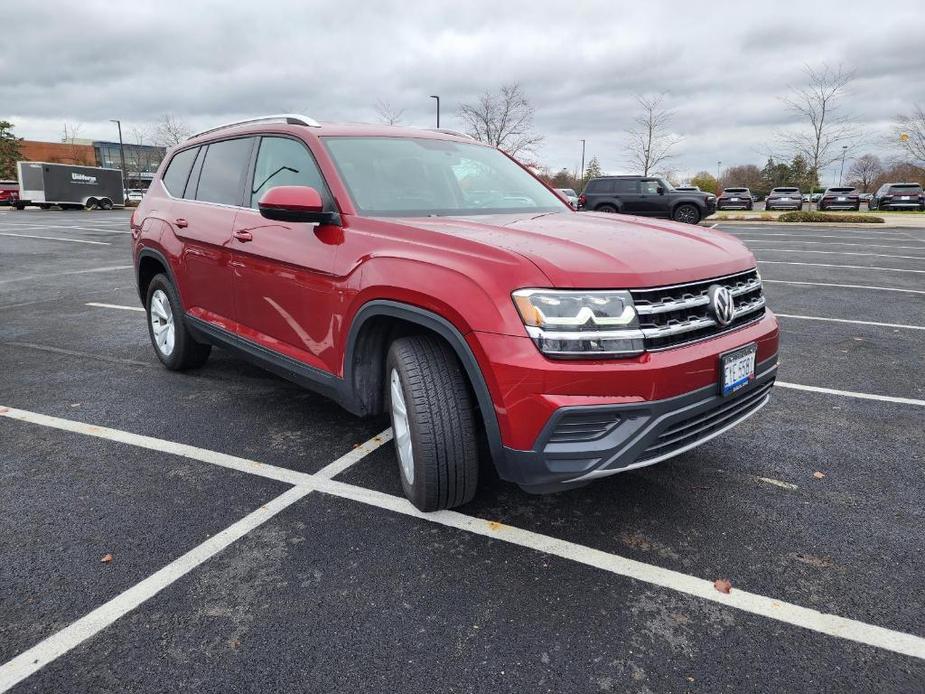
[(724, 66)]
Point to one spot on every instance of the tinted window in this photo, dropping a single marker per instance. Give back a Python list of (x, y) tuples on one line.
[(178, 171), (190, 192), (285, 162), (736, 190), (650, 187), (906, 188), (601, 186), (222, 177), (625, 186)]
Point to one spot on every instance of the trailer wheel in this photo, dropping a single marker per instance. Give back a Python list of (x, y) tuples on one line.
[(91, 203), (20, 206), (43, 206), (105, 204)]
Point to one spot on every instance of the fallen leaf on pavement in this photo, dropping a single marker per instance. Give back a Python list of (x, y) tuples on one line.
[(723, 585), (818, 475), (106, 559)]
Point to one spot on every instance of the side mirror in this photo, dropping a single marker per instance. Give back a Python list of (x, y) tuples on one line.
[(294, 204), (660, 190)]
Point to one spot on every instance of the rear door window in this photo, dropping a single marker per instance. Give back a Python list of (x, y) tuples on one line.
[(177, 172), (601, 186), (282, 161), (222, 177)]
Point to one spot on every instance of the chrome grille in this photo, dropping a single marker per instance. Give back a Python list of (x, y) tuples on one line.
[(672, 316)]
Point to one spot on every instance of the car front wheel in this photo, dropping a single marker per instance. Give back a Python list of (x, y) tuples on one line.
[(688, 214), (433, 423)]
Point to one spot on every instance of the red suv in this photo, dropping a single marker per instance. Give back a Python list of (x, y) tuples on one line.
[(427, 275)]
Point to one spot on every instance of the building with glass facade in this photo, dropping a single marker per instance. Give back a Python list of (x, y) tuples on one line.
[(141, 161)]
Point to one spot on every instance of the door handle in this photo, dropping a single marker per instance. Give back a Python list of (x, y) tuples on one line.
[(181, 223), (243, 236)]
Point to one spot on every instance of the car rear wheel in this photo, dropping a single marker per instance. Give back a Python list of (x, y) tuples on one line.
[(433, 423), (172, 342), (609, 209), (688, 214)]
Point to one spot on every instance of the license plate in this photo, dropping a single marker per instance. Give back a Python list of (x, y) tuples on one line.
[(842, 199), (733, 199), (737, 368), (785, 198), (904, 197)]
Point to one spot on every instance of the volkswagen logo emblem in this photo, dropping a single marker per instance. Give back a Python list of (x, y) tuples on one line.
[(721, 304)]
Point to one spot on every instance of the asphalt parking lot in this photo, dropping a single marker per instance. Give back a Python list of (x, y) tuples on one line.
[(259, 541)]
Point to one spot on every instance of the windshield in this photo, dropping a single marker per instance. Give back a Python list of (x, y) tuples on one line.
[(390, 176), (840, 190), (786, 190), (905, 188), (736, 190)]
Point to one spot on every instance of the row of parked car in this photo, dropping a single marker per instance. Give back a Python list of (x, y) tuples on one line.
[(652, 196)]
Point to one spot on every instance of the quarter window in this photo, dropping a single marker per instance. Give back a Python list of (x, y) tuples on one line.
[(222, 177), (285, 162), (177, 172)]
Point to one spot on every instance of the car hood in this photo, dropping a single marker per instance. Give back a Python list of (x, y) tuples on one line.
[(597, 250)]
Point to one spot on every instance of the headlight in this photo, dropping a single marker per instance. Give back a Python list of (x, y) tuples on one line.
[(593, 324)]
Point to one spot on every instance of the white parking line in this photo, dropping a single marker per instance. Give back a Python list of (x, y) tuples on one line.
[(68, 272), (823, 236), (852, 394), (866, 255), (32, 660), (832, 243), (855, 322), (118, 306), (54, 238), (846, 267), (764, 280), (61, 226)]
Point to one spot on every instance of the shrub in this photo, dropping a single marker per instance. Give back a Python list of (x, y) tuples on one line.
[(827, 217)]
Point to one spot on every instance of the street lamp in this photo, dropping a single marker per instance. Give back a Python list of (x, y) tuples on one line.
[(582, 160), (718, 164), (844, 151), (434, 96), (121, 151)]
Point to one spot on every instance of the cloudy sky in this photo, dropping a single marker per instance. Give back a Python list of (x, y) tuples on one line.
[(723, 66)]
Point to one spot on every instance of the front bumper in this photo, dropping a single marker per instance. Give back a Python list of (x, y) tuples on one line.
[(576, 446)]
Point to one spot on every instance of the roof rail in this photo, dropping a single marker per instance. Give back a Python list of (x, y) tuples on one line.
[(447, 131), (290, 118)]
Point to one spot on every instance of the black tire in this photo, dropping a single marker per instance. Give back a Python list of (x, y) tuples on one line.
[(441, 422), (91, 204), (686, 213), (105, 204), (186, 353), (19, 206), (609, 209)]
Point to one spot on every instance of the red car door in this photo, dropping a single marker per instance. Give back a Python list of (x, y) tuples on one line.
[(204, 221), (283, 284)]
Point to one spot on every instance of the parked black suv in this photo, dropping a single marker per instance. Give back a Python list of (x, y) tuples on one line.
[(646, 196), (898, 196)]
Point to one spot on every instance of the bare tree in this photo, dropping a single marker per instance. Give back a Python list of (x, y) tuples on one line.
[(818, 106), (503, 119), (387, 114), (864, 171), (76, 153), (910, 133), (651, 139), (170, 131), (145, 158)]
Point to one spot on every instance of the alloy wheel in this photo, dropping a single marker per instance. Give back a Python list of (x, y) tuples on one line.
[(401, 428), (162, 322)]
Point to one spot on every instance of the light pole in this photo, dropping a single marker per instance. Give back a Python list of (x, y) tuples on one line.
[(718, 164), (434, 96), (121, 152), (844, 151), (582, 160)]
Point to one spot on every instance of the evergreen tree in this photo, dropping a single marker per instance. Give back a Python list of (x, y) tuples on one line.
[(10, 152), (593, 170)]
